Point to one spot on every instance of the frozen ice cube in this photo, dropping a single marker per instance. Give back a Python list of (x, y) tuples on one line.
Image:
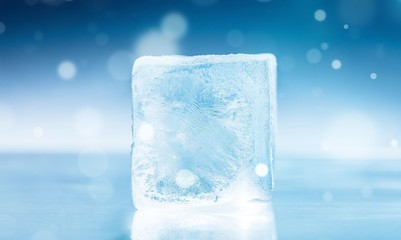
[(203, 130)]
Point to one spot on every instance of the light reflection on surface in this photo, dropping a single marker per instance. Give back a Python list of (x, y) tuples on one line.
[(245, 225)]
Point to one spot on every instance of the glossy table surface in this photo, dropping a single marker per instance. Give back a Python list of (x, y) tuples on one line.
[(47, 196)]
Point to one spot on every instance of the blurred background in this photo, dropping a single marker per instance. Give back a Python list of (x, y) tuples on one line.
[(65, 108), (65, 68)]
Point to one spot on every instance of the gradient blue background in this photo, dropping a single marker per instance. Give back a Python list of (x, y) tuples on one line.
[(316, 103), (65, 71)]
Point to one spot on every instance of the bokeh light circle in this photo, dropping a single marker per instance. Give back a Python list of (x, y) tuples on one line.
[(93, 162), (373, 76), (314, 55), (174, 26), (320, 15), (154, 43), (261, 170), (67, 70), (119, 65), (324, 46), (336, 64)]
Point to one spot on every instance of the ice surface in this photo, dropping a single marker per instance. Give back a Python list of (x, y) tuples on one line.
[(203, 130), (201, 226)]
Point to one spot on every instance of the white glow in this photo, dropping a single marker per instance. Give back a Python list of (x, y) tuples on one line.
[(119, 65), (93, 162), (88, 122), (44, 235), (346, 26), (66, 70), (314, 55), (324, 146), (38, 132), (174, 26), (261, 170), (327, 196), (185, 178), (7, 117), (351, 135), (146, 132), (373, 76), (320, 15), (155, 43), (394, 143), (324, 46), (2, 27), (336, 64), (101, 39), (235, 38)]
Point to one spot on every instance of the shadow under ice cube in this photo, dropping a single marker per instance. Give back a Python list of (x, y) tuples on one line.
[(203, 130)]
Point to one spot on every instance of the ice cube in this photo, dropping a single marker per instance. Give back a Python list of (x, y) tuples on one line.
[(203, 130)]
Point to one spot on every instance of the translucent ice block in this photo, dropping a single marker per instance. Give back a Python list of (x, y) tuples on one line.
[(203, 130)]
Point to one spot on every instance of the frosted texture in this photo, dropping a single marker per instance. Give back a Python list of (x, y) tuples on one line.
[(203, 130)]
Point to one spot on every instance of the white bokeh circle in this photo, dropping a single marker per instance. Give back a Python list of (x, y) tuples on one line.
[(336, 64), (67, 70), (174, 26), (119, 65), (154, 43), (320, 15), (314, 55), (261, 170)]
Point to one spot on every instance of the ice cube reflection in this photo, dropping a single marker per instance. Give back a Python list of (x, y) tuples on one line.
[(249, 223)]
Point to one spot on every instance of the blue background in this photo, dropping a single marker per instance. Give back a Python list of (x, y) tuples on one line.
[(65, 71), (316, 103)]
